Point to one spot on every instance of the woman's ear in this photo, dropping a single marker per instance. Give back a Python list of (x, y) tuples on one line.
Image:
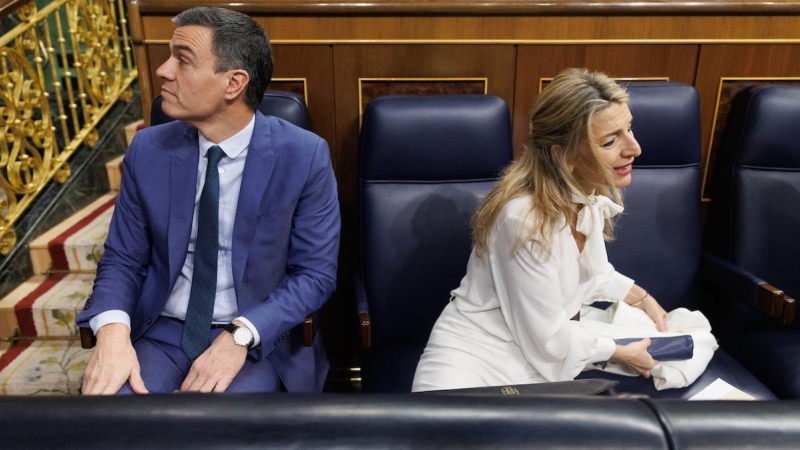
[(237, 83), (554, 151)]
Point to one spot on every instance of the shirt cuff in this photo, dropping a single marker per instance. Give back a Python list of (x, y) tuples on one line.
[(605, 349), (616, 287), (107, 317), (252, 328)]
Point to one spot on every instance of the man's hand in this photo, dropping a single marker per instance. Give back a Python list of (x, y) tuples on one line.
[(113, 362), (215, 369), (634, 357)]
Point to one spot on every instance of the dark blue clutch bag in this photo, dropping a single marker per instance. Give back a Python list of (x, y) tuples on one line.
[(671, 348)]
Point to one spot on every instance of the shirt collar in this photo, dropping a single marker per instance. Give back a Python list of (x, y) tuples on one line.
[(234, 145)]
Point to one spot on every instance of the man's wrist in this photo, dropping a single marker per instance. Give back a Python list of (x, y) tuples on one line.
[(247, 323), (242, 336), (112, 316), (113, 332)]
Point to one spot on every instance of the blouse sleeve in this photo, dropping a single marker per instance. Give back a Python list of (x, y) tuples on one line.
[(530, 299), (611, 286)]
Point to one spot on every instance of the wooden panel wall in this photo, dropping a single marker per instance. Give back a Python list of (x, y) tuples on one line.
[(345, 53)]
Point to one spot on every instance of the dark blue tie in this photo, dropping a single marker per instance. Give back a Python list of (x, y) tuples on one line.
[(204, 275)]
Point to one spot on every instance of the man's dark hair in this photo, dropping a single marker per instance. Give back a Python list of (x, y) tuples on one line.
[(238, 42)]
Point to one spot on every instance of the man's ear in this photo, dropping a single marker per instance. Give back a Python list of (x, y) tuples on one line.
[(237, 83), (554, 151)]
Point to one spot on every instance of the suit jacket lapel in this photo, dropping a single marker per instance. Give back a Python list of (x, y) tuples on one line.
[(182, 186), (258, 169)]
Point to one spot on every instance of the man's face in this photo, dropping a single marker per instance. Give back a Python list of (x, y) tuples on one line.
[(192, 91)]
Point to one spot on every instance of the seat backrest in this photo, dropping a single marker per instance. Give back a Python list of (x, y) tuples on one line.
[(658, 235), (755, 210), (425, 164), (285, 105)]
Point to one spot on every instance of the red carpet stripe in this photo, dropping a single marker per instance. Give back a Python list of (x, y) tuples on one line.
[(56, 246), (24, 308), (12, 353)]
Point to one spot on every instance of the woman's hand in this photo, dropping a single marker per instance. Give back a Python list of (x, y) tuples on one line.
[(634, 357), (655, 311), (640, 298)]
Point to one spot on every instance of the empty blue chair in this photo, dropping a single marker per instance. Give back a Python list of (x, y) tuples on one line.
[(425, 163), (753, 224)]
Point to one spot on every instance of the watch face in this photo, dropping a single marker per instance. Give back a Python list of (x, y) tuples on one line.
[(242, 336)]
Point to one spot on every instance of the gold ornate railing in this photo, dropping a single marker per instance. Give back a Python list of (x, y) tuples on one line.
[(62, 67)]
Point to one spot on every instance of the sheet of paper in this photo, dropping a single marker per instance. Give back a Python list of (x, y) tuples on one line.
[(721, 390)]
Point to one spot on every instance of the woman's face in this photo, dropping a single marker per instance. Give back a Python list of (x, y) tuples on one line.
[(611, 132)]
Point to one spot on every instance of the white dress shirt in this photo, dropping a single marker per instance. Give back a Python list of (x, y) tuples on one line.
[(231, 169)]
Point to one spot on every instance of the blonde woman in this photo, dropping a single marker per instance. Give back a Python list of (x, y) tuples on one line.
[(539, 251)]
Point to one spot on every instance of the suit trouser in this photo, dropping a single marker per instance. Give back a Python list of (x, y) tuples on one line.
[(164, 365)]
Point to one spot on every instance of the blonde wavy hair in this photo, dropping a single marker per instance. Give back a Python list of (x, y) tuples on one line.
[(560, 122)]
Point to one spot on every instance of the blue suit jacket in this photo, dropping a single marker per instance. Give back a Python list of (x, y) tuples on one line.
[(285, 238)]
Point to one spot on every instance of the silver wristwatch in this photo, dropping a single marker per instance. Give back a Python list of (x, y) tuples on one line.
[(242, 336)]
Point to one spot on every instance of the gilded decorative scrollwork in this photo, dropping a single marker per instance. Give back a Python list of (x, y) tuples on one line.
[(95, 35), (27, 139), (57, 80), (27, 12), (7, 239)]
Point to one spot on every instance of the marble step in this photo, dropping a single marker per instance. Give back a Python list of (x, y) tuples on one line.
[(76, 244), (114, 173), (43, 367), (45, 306), (114, 167), (132, 128)]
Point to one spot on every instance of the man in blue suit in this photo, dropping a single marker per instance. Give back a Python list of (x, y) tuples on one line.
[(273, 247)]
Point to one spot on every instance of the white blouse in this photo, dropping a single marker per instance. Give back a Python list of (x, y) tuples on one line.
[(528, 297)]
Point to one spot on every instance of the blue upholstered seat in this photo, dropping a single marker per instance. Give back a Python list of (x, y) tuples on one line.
[(753, 223), (286, 105), (658, 235), (426, 162)]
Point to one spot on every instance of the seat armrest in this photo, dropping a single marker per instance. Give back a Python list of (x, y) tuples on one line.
[(88, 339), (308, 330), (733, 282), (363, 311)]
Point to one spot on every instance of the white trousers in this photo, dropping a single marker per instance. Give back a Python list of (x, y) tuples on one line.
[(460, 354)]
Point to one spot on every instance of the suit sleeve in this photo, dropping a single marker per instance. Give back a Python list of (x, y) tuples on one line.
[(312, 255), (122, 268)]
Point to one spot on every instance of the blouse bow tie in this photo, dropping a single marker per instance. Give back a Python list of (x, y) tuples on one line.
[(592, 216), (591, 222)]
